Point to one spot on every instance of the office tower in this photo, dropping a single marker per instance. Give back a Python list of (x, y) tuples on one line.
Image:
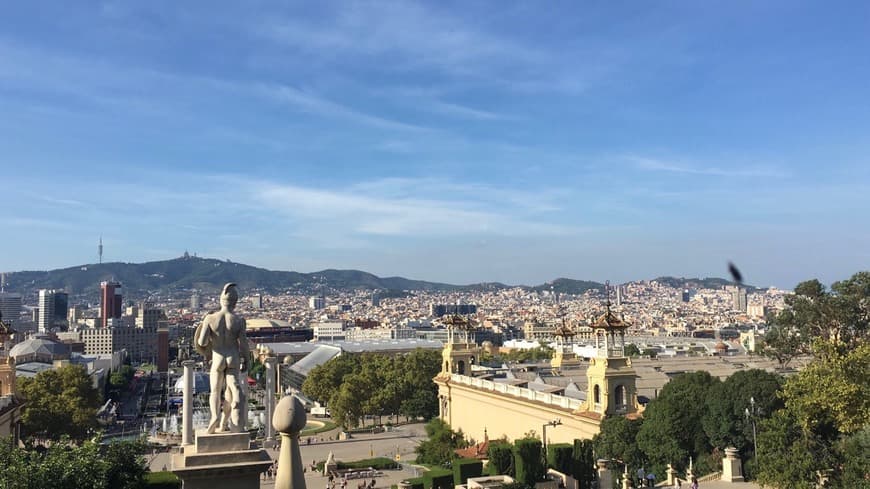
[(53, 306), (195, 301), (618, 295), (317, 302), (257, 301), (738, 299), (376, 300), (10, 308), (148, 317), (110, 302), (686, 295)]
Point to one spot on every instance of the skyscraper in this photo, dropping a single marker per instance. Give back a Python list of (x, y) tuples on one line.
[(53, 308), (10, 307), (110, 302), (738, 297)]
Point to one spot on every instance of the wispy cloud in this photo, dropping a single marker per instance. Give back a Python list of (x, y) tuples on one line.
[(656, 165), (317, 105)]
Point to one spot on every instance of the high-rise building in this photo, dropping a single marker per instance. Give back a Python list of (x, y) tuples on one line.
[(148, 316), (618, 295), (738, 299), (53, 307), (10, 308), (257, 301), (376, 300), (110, 302), (195, 301), (687, 295), (317, 302)]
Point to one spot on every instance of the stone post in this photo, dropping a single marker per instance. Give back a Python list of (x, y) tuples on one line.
[(672, 475), (271, 368), (289, 420), (626, 479), (732, 467), (605, 476), (187, 406)]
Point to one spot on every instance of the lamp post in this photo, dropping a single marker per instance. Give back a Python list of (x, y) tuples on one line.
[(554, 423), (751, 412)]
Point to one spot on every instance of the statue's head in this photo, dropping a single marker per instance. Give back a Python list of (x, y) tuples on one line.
[(229, 296)]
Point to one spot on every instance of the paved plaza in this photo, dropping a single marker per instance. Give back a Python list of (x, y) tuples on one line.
[(402, 440)]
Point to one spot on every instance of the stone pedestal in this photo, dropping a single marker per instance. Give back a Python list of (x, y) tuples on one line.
[(605, 476), (220, 460), (732, 467)]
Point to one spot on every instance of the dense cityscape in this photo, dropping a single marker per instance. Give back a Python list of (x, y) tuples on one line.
[(399, 244)]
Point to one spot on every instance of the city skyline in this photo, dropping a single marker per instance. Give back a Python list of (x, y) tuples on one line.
[(454, 143)]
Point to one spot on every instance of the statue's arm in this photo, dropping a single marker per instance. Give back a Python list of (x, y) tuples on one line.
[(204, 337), (244, 346)]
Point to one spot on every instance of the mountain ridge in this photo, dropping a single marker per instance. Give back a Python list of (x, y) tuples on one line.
[(209, 274)]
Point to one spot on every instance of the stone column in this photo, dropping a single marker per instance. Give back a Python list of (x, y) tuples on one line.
[(289, 420), (187, 406), (271, 370), (605, 476), (732, 467), (672, 475)]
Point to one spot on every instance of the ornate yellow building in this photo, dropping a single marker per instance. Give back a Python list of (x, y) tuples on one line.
[(502, 408)]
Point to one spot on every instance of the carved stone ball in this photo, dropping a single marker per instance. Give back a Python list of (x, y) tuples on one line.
[(289, 415)]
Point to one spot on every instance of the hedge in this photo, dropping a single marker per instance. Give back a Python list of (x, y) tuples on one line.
[(527, 460), (416, 483), (438, 479), (560, 457), (377, 463), (501, 458), (465, 468), (583, 464)]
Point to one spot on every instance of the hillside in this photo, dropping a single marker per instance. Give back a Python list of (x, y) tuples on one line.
[(698, 283), (208, 275)]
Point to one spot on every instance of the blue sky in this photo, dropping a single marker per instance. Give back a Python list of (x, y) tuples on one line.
[(450, 141)]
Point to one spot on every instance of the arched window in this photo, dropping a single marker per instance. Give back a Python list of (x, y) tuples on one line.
[(620, 396), (447, 366), (596, 395), (461, 370)]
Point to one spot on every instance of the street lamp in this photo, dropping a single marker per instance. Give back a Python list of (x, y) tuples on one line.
[(751, 412), (554, 423)]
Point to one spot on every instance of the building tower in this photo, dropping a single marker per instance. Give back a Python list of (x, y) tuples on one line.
[(610, 376), (110, 302), (564, 355), (100, 250), (10, 307), (460, 352)]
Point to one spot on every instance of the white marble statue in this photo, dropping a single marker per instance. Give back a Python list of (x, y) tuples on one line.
[(221, 335)]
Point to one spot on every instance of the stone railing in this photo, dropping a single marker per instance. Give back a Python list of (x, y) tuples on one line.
[(5, 401), (532, 395)]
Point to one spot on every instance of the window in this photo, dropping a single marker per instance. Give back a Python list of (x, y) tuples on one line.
[(620, 397), (596, 395)]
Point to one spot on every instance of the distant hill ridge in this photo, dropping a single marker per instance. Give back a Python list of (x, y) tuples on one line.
[(208, 274)]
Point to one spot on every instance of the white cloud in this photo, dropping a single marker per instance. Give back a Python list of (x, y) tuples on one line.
[(652, 164)]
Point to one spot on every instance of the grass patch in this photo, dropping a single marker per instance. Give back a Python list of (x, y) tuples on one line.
[(327, 426), (162, 480)]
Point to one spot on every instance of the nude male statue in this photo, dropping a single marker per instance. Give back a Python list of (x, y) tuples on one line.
[(222, 334)]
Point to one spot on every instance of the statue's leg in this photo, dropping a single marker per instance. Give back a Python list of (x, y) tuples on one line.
[(217, 388), (237, 417)]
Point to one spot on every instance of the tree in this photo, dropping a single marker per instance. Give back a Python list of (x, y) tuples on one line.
[(724, 420), (121, 378), (839, 317), (632, 350), (60, 402), (617, 439), (440, 447), (822, 428), (65, 465), (671, 431), (323, 380)]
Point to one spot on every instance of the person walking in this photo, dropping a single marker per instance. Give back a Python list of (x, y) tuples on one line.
[(694, 483), (650, 480), (641, 476)]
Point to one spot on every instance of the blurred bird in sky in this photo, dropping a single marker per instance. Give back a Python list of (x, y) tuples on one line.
[(735, 273)]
